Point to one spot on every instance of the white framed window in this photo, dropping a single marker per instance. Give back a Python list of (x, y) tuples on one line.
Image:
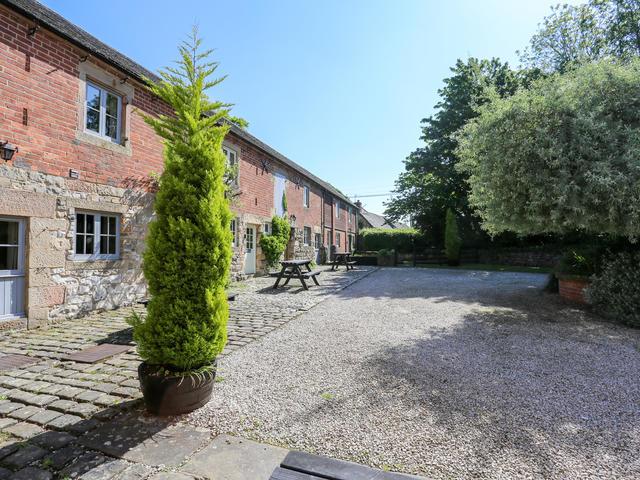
[(306, 238), (305, 196), (349, 214), (96, 236), (266, 228), (232, 164), (234, 233), (338, 239), (318, 240), (337, 207), (103, 113)]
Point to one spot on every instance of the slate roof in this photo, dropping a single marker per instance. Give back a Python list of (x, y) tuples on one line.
[(59, 25), (378, 221)]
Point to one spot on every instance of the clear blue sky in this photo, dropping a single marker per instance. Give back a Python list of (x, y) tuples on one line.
[(339, 86)]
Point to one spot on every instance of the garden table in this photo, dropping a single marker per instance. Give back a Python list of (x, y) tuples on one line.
[(342, 258), (293, 269)]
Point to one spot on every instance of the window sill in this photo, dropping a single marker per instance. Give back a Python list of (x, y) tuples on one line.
[(98, 141)]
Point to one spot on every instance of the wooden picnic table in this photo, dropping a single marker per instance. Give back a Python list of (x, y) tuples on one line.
[(294, 269), (342, 258)]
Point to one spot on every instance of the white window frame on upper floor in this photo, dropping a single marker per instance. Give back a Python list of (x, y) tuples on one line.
[(306, 196), (97, 236), (337, 207), (231, 153), (102, 112)]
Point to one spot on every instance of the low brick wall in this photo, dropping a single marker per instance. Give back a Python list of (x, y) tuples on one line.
[(573, 289)]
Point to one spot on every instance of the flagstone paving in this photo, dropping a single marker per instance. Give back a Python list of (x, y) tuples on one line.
[(65, 419)]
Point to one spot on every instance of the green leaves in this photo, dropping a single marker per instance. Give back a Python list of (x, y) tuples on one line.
[(188, 253), (561, 157), (274, 245)]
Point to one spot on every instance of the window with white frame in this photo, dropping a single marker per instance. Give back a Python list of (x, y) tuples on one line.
[(338, 238), (103, 113), (267, 228), (305, 196), (97, 236), (337, 207), (318, 240), (349, 212), (234, 233), (232, 165), (307, 236)]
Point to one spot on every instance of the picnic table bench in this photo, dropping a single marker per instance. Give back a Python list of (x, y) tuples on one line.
[(293, 269), (342, 258), (305, 466)]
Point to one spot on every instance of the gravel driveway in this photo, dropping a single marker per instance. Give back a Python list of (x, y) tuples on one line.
[(446, 374)]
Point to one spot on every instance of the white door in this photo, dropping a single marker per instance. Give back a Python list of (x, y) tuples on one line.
[(250, 250), (11, 268)]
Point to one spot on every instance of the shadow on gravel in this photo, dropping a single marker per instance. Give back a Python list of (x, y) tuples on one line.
[(466, 286), (556, 392)]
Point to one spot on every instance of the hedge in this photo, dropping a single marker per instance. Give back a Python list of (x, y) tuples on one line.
[(400, 239)]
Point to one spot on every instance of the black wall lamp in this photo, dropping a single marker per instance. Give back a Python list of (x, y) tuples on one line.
[(7, 150)]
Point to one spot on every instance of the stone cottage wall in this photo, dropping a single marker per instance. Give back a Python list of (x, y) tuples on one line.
[(57, 285)]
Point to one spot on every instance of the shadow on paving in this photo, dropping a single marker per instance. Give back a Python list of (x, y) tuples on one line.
[(115, 443), (561, 395)]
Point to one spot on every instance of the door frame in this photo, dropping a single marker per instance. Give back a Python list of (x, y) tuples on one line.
[(20, 272), (254, 253)]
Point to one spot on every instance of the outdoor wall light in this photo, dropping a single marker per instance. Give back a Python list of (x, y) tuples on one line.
[(7, 150)]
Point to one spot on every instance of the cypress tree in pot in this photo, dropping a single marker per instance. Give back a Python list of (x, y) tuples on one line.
[(188, 251)]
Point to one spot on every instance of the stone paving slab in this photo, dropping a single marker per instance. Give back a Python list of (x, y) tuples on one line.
[(233, 458)]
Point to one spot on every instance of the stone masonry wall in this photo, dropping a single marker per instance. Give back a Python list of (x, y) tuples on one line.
[(57, 284)]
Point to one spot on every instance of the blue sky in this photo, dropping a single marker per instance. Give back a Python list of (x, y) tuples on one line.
[(337, 86)]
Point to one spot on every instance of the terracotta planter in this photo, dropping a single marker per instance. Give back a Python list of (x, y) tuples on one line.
[(174, 395), (572, 287)]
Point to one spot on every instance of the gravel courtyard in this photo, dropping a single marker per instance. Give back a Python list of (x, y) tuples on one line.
[(447, 374)]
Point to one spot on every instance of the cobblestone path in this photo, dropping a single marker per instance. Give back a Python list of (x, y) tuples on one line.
[(63, 419)]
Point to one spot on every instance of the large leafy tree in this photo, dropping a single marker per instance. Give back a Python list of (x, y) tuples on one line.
[(576, 34), (430, 183), (560, 157)]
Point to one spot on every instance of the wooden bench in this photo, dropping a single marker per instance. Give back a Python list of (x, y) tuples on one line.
[(312, 275), (305, 466)]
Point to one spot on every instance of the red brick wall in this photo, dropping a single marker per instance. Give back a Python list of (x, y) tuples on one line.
[(309, 217), (49, 92), (256, 184), (573, 289)]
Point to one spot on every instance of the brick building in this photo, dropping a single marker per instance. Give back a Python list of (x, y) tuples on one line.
[(77, 195)]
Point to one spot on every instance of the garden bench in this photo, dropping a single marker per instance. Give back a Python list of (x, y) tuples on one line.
[(305, 466), (342, 258), (292, 269)]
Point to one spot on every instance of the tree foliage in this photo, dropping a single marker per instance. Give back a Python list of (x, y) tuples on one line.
[(430, 183), (274, 245), (188, 254), (452, 240), (560, 157), (576, 34)]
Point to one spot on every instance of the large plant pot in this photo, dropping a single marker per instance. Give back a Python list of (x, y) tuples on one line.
[(572, 287), (174, 395)]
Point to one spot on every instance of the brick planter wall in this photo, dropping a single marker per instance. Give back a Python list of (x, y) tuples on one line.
[(572, 288)]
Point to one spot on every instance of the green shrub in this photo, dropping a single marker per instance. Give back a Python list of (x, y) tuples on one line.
[(188, 253), (615, 291), (400, 239), (452, 241), (559, 157), (274, 245), (284, 202), (386, 252), (580, 261)]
